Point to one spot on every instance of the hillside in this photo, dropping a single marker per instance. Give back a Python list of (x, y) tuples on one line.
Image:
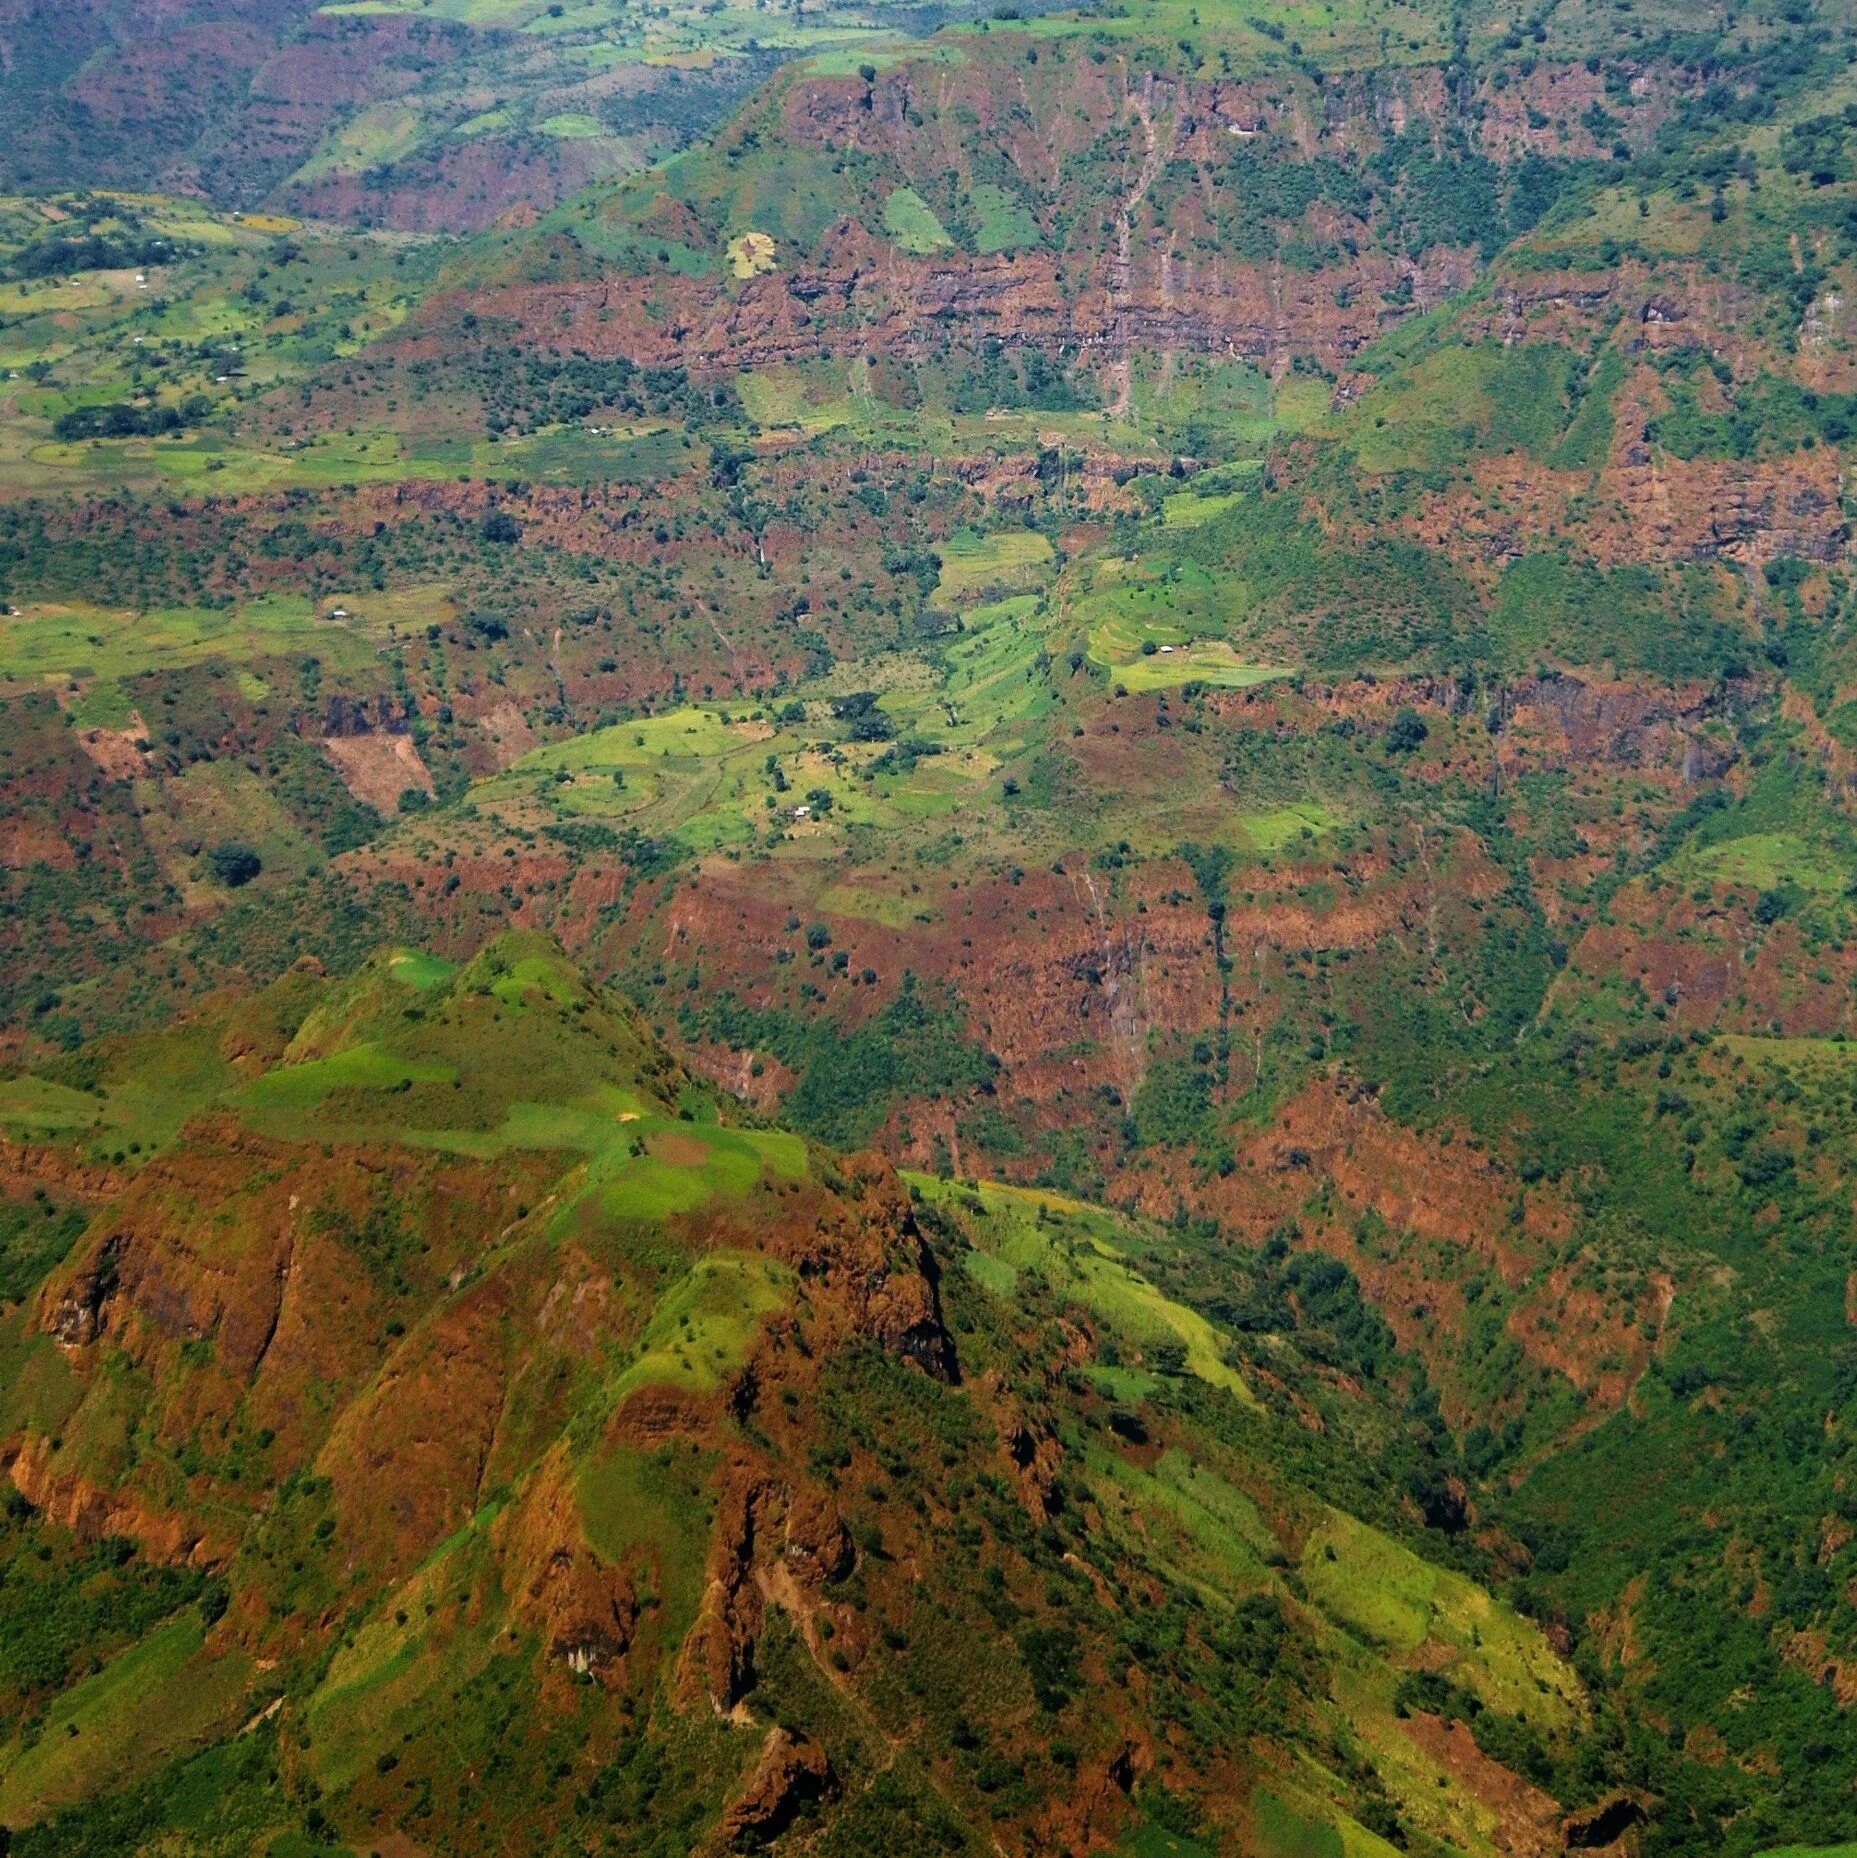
[(420, 115), (522, 1431), (975, 970)]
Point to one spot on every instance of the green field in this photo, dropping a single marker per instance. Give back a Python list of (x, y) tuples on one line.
[(998, 561), (373, 138), (1271, 830), (1145, 649), (652, 1506), (138, 1105), (1002, 221), (1767, 860), (1306, 1830), (977, 704), (645, 452), (912, 224), (702, 1328), (359, 1067), (93, 642), (1082, 1248), (1381, 1590), (1502, 399)]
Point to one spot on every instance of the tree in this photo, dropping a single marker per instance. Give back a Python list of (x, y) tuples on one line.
[(233, 864)]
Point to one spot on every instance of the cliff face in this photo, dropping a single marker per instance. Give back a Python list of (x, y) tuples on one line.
[(1156, 211), (391, 1332), (863, 296)]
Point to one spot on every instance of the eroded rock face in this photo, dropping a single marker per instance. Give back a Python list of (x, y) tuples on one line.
[(345, 716), (716, 1665), (586, 1609), (26, 1166), (1145, 261), (1622, 724), (818, 1546), (905, 1312), (792, 1770), (1223, 307), (77, 1312), (870, 1254), (231, 1272), (40, 1473)]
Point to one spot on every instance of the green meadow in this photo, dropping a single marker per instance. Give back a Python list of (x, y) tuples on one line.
[(82, 641), (717, 784), (702, 1327), (136, 1102), (1306, 1829), (358, 1068), (1080, 1248), (996, 561), (126, 1721), (1270, 829), (1382, 1592), (1767, 860), (1002, 221), (645, 452), (1147, 641), (911, 223)]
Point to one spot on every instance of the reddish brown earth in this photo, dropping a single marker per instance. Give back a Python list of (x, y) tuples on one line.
[(1528, 1820), (865, 295), (378, 767)]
